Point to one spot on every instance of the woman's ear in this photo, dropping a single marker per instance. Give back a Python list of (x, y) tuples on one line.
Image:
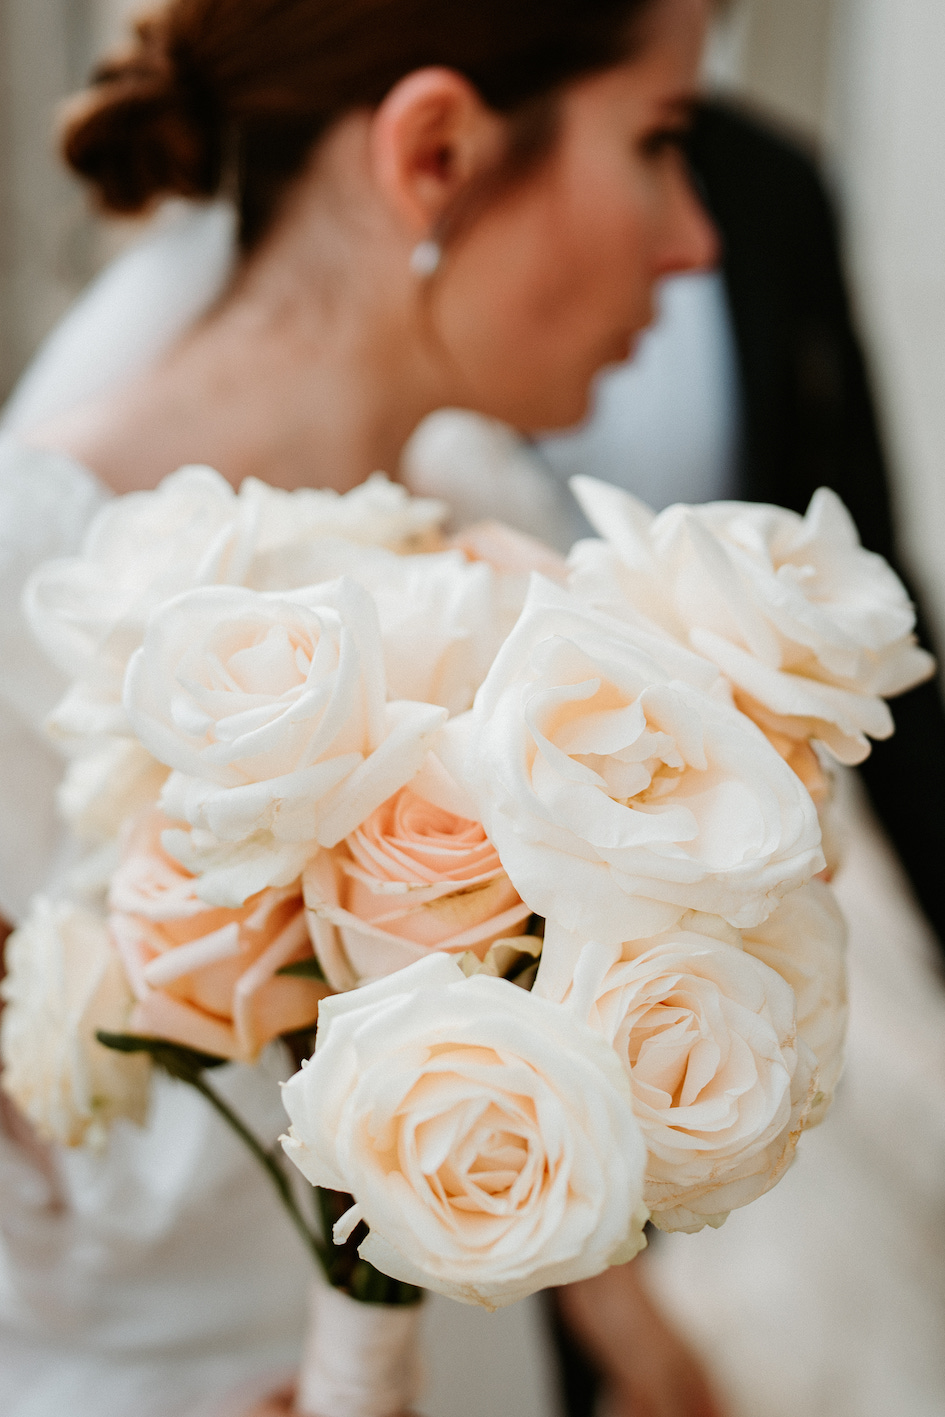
[(431, 136)]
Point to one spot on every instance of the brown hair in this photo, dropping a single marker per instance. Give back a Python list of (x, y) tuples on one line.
[(214, 88)]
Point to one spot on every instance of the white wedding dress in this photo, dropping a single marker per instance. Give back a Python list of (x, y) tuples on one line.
[(162, 1280)]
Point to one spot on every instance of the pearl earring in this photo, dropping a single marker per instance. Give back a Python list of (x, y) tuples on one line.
[(425, 258)]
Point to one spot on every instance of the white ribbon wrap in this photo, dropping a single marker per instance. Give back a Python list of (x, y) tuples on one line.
[(359, 1360)]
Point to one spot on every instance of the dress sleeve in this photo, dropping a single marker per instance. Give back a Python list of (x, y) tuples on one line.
[(46, 503)]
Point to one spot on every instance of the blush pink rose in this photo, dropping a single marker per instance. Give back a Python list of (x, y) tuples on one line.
[(511, 552), (413, 878), (202, 976)]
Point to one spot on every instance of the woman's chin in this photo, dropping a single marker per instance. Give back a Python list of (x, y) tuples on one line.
[(554, 409), (572, 401)]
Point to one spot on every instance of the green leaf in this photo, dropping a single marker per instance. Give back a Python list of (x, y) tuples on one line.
[(174, 1058), (304, 969)]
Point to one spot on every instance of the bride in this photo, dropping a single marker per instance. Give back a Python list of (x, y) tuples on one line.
[(464, 203)]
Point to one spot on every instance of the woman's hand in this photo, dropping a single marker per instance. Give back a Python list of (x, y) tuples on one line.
[(648, 1368)]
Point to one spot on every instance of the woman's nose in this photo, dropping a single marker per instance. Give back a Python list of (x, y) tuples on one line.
[(691, 241)]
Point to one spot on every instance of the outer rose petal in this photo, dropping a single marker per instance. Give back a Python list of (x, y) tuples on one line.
[(805, 941), (489, 1140)]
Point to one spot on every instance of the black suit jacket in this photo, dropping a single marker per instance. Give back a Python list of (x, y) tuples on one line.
[(809, 421)]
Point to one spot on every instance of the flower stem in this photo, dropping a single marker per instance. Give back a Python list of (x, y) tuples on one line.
[(342, 1266), (272, 1168)]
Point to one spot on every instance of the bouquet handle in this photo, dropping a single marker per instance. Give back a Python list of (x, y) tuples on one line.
[(358, 1360)]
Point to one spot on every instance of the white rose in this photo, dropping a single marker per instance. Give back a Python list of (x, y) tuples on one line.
[(442, 618), (90, 611), (489, 1139), (813, 630), (442, 623), (105, 786), (64, 983), (805, 940), (707, 1033), (619, 796), (271, 711), (377, 513)]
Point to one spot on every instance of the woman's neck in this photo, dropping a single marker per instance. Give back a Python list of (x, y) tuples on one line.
[(254, 395)]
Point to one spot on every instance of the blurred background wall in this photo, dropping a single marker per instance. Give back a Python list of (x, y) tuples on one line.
[(860, 78), (48, 244)]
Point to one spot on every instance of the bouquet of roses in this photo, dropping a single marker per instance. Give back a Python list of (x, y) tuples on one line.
[(537, 845)]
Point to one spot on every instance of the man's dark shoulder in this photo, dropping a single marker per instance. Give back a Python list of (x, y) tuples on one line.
[(807, 421)]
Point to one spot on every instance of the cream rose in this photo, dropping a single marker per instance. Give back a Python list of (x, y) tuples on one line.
[(104, 787), (208, 979), (64, 983), (412, 878), (510, 552), (488, 1137), (271, 710), (442, 621), (812, 630), (721, 1085), (90, 611), (441, 618), (376, 513), (805, 940), (617, 794)]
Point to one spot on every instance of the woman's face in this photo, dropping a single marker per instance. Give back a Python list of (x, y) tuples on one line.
[(558, 277)]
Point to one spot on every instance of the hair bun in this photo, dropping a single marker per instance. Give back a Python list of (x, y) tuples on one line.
[(144, 128)]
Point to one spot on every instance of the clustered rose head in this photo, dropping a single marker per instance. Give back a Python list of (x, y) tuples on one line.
[(272, 712), (805, 941)]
